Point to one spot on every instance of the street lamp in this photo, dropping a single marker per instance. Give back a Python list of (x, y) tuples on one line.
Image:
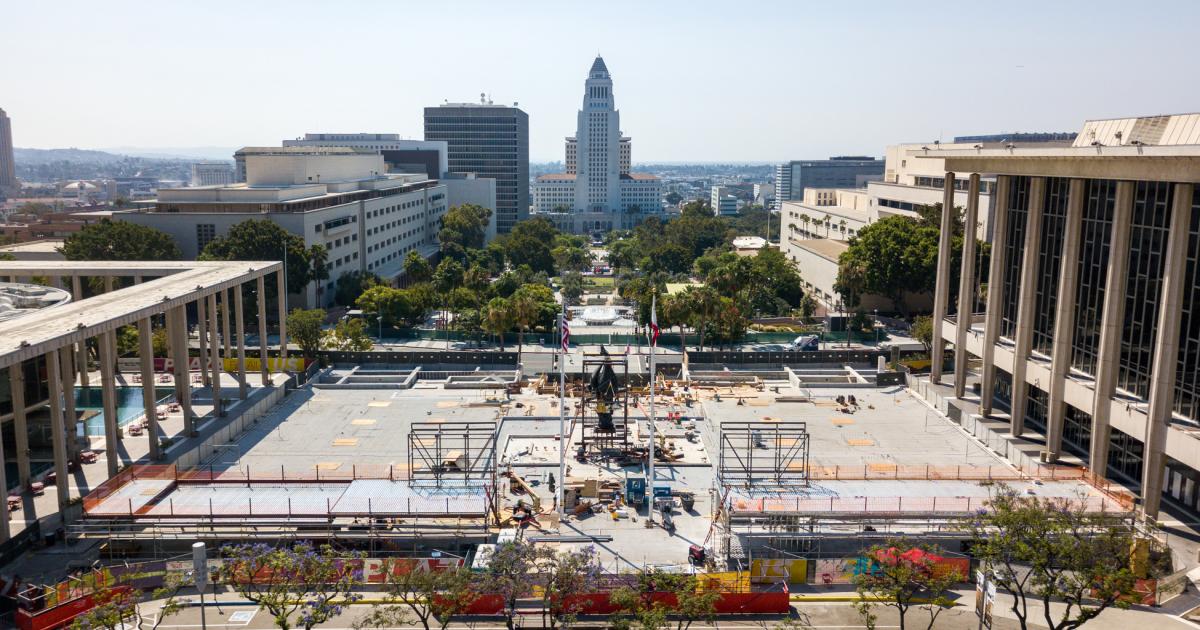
[(876, 328), (379, 318)]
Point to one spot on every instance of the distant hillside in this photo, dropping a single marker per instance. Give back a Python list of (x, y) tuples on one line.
[(48, 156)]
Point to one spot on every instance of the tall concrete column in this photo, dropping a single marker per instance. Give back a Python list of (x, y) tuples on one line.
[(215, 358), (149, 397), (1064, 320), (108, 284), (1112, 324), (941, 294), (5, 515), (995, 293), (282, 319), (1023, 341), (70, 415), (57, 439), (183, 383), (264, 366), (1166, 351), (202, 334), (108, 387), (16, 378), (81, 350), (240, 313), (225, 325), (966, 287)]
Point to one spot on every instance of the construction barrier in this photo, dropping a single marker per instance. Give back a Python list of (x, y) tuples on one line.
[(761, 603), (59, 616), (773, 571)]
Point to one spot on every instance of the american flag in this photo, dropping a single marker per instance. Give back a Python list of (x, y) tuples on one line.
[(566, 330), (654, 330)]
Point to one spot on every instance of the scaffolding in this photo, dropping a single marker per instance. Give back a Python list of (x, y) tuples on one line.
[(454, 452), (764, 455), (598, 407)]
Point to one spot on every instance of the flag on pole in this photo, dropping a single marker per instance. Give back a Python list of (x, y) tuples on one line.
[(566, 330), (654, 330)]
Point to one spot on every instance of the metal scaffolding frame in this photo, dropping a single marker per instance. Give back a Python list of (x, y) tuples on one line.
[(457, 451), (591, 437), (764, 455)]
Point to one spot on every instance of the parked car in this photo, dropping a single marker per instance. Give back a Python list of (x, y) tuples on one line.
[(805, 343)]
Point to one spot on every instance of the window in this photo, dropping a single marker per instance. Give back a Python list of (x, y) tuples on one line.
[(1187, 379), (1095, 238), (1014, 248), (1054, 223), (1149, 230), (205, 233)]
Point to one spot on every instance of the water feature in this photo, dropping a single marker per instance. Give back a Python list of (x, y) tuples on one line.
[(130, 406)]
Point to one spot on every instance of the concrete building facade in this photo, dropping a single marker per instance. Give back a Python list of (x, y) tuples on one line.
[(1088, 341), (724, 203), (488, 140), (399, 155), (793, 177), (8, 164), (212, 174), (598, 192), (366, 220)]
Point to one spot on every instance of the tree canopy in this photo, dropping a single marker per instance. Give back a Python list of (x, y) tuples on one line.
[(262, 239), (464, 226), (119, 240)]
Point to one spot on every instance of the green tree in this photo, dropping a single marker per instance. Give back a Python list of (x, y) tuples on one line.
[(395, 306), (1054, 550), (498, 318), (119, 240), (465, 226), (572, 286), (922, 330), (433, 597), (899, 573), (693, 601), (304, 327), (350, 285), (417, 268), (127, 340), (348, 335), (263, 239), (119, 608), (306, 586), (677, 310)]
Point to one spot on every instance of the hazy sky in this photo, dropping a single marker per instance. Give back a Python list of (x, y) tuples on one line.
[(694, 80)]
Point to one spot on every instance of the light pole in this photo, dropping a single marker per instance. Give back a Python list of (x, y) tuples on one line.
[(200, 574), (379, 318), (876, 323)]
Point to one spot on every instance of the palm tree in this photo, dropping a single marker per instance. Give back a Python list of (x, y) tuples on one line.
[(842, 226), (498, 318), (677, 309), (705, 302), (524, 312), (805, 219), (828, 220)]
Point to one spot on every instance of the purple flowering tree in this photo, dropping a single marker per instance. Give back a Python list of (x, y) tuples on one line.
[(566, 578), (299, 585), (509, 575)]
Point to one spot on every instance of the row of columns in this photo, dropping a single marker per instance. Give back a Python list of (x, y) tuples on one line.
[(65, 364), (1161, 398)]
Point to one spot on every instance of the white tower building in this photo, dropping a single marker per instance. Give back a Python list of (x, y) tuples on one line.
[(598, 192)]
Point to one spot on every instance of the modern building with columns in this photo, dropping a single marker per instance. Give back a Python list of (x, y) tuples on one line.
[(44, 355), (1087, 337)]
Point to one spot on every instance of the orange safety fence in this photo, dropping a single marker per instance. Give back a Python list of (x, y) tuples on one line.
[(964, 472), (880, 505)]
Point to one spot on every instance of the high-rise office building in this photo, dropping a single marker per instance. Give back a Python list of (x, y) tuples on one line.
[(8, 166), (837, 172), (598, 192), (488, 140)]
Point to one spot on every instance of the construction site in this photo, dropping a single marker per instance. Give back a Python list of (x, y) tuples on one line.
[(775, 473)]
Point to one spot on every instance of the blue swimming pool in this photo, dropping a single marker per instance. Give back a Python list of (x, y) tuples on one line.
[(129, 405)]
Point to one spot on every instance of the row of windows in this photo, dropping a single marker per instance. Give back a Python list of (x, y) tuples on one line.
[(963, 185), (1014, 247), (1054, 223), (1095, 239), (1149, 230)]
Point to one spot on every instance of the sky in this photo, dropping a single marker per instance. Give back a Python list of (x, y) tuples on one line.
[(695, 81)]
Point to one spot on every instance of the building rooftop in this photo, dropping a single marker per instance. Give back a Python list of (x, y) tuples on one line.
[(824, 247), (19, 299), (640, 176), (44, 246)]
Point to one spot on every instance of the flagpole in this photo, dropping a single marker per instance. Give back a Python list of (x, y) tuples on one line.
[(653, 343), (563, 438)]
